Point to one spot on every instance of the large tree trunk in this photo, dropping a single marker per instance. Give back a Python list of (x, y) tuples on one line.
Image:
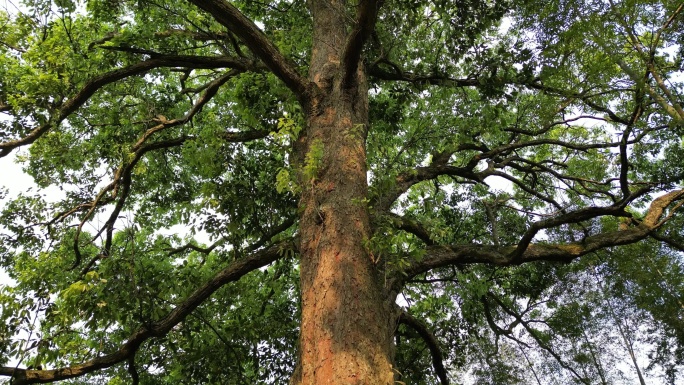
[(346, 329)]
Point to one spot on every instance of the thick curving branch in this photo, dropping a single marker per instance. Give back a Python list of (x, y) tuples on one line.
[(96, 83), (430, 341), (397, 74), (673, 243), (366, 17), (409, 225), (245, 29), (158, 329), (576, 216), (406, 180), (443, 255)]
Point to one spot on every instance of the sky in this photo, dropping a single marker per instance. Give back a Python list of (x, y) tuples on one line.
[(12, 177)]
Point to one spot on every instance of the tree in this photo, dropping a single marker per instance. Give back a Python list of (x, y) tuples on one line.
[(339, 155)]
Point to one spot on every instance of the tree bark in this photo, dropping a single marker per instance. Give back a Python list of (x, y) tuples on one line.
[(346, 329)]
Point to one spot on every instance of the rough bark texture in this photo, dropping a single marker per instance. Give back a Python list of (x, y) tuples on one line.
[(346, 329)]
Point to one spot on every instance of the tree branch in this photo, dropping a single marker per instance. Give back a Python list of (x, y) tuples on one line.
[(666, 25), (673, 243), (287, 223), (498, 330), (674, 109), (536, 84), (122, 181), (430, 341), (199, 249), (442, 255), (533, 333), (93, 85), (411, 226), (410, 77), (258, 42), (366, 16), (439, 167), (407, 179), (158, 329), (570, 217), (443, 80)]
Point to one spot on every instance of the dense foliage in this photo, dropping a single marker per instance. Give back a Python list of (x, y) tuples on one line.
[(525, 175)]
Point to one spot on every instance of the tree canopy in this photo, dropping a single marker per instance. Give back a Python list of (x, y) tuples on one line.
[(330, 191)]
